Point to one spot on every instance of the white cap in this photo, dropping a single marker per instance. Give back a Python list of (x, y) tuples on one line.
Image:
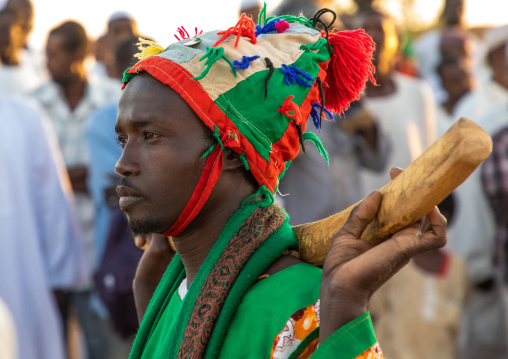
[(119, 15), (3, 3), (496, 38)]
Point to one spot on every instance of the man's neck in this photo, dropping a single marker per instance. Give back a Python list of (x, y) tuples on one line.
[(74, 91), (196, 242)]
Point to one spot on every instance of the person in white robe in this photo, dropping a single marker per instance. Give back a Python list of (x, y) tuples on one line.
[(42, 250), (403, 106), (471, 236)]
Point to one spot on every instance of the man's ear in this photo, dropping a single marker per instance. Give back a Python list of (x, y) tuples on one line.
[(231, 161)]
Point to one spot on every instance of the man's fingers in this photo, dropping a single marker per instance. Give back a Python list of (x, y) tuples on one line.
[(437, 228), (395, 171), (362, 215)]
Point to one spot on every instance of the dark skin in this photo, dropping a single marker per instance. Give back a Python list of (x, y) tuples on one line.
[(457, 80), (163, 142), (497, 61), (68, 71), (11, 38), (382, 30)]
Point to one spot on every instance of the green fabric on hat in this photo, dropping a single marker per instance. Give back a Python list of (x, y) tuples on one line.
[(264, 132)]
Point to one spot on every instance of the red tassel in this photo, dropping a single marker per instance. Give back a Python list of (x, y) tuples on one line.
[(349, 69), (244, 27)]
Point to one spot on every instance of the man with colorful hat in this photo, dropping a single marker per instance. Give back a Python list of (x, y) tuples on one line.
[(208, 127)]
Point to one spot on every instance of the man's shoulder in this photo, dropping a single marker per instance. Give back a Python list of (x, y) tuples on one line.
[(46, 93), (294, 280), (104, 91)]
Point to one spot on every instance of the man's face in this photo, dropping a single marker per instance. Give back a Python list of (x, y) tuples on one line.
[(163, 141), (457, 79), (59, 61), (384, 35), (121, 28), (11, 33)]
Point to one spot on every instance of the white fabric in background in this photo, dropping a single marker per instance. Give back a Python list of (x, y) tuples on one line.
[(41, 248), (408, 118)]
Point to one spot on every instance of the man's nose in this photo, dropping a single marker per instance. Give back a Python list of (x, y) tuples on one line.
[(127, 164)]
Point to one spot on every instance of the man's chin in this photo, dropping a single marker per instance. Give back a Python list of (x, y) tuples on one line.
[(146, 226)]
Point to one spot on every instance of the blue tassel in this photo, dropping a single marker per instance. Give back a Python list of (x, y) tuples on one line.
[(242, 65), (292, 75), (315, 114), (270, 26)]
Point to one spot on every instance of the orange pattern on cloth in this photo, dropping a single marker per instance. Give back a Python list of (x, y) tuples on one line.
[(301, 324), (373, 353), (298, 327)]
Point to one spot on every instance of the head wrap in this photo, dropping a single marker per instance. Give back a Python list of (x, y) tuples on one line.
[(120, 15), (256, 85)]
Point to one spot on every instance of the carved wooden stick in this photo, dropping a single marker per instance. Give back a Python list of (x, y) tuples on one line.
[(410, 196)]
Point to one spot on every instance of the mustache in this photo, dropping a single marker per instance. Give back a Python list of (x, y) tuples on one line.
[(123, 182)]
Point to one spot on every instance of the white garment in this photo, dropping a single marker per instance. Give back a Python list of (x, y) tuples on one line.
[(71, 132), (8, 343), (471, 234), (25, 77), (41, 245), (408, 118)]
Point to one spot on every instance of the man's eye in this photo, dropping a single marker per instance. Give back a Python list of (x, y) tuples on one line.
[(150, 135), (121, 141)]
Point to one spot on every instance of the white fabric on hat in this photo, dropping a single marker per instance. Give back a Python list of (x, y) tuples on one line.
[(496, 37), (119, 15)]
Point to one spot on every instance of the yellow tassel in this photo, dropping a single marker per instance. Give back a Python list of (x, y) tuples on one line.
[(148, 51)]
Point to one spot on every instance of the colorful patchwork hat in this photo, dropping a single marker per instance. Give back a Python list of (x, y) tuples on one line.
[(255, 86)]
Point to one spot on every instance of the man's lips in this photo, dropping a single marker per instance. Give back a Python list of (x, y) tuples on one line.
[(127, 196)]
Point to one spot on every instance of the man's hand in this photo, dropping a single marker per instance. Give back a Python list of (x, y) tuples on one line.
[(151, 268), (354, 269)]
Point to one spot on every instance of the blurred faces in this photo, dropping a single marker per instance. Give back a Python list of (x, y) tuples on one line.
[(62, 64), (11, 32), (122, 28), (456, 78), (364, 5), (383, 32), (456, 44)]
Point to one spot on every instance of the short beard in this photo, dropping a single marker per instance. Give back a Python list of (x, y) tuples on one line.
[(147, 226)]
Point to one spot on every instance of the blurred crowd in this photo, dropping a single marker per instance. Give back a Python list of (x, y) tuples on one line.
[(68, 258)]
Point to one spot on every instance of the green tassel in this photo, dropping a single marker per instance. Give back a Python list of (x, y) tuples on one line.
[(215, 135), (244, 161), (266, 201), (127, 77), (262, 16), (212, 55), (319, 145), (208, 151)]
